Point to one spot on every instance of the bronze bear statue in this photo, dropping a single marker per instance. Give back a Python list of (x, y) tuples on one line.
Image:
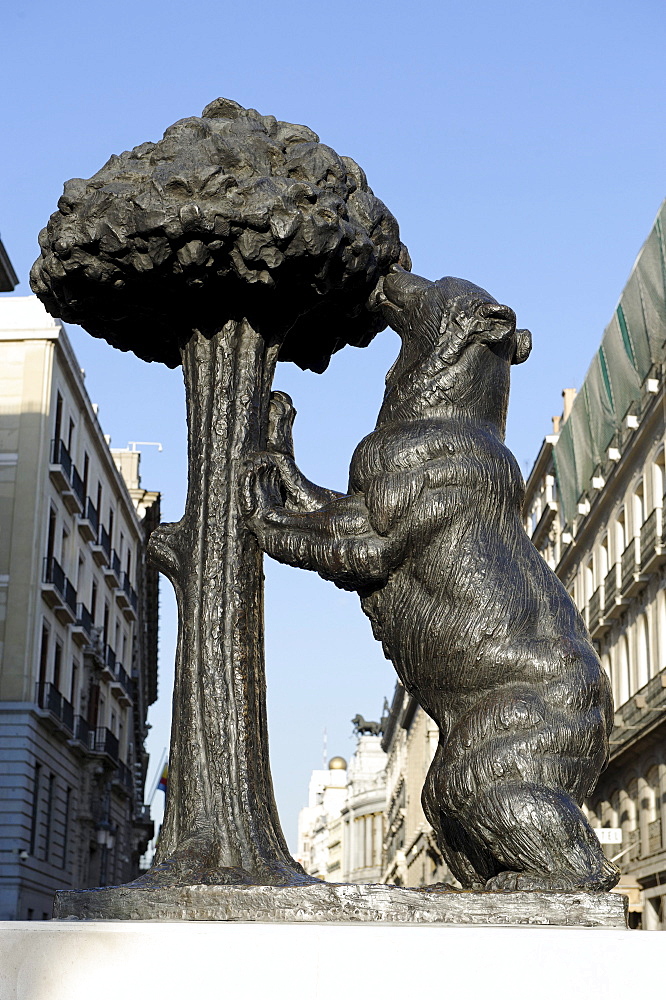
[(479, 629)]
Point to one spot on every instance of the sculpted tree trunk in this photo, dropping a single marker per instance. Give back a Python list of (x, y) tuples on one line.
[(223, 816), (234, 240)]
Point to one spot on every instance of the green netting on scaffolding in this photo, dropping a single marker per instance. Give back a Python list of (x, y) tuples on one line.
[(651, 272), (631, 316), (601, 416), (565, 468), (632, 343), (579, 422), (624, 378)]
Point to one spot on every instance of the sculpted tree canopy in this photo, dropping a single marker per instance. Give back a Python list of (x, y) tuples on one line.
[(231, 214), (233, 241)]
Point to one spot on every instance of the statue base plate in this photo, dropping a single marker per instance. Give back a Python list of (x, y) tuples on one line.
[(328, 903)]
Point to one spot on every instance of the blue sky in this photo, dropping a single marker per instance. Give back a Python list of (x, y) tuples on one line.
[(520, 145)]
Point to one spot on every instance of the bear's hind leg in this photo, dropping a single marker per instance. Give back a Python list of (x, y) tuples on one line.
[(541, 840), (469, 862)]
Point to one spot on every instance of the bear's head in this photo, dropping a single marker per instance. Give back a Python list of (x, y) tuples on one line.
[(458, 344)]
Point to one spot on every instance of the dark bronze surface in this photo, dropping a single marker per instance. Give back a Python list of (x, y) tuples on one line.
[(479, 629), (238, 240), (234, 240)]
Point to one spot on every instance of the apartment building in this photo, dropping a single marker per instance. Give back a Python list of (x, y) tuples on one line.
[(78, 627), (410, 855), (595, 510), (340, 831)]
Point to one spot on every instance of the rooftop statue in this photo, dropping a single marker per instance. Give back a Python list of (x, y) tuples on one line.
[(232, 243)]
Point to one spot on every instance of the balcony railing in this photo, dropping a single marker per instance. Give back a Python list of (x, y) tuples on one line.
[(113, 570), (125, 775), (653, 549), (84, 619), (102, 740), (82, 730), (105, 540), (594, 610), (629, 564), (54, 574), (67, 476), (123, 677), (77, 486), (610, 590), (115, 564), (60, 456), (654, 836), (110, 659), (48, 697)]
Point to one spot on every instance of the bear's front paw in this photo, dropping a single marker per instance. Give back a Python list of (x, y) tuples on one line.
[(261, 486)]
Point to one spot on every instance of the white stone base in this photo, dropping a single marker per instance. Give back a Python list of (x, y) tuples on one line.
[(191, 960)]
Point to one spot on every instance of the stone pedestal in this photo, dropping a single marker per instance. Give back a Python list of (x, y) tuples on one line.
[(72, 960), (327, 903)]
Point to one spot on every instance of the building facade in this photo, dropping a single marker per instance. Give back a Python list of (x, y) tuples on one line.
[(78, 628), (319, 836), (410, 855), (595, 510), (340, 831)]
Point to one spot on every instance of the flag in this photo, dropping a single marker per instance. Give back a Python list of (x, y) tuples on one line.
[(162, 783)]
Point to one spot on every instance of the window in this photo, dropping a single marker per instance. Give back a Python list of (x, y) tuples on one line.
[(638, 509), (588, 581), (43, 660), (57, 432), (658, 480), (74, 684), (50, 788), (36, 782), (620, 534), (70, 436), (57, 665), (65, 834), (50, 541), (93, 600), (642, 651), (621, 672), (603, 562)]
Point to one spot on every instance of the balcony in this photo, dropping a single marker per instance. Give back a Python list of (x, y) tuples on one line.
[(101, 549), (57, 591), (613, 605), (123, 778), (60, 468), (51, 700), (102, 740), (121, 685), (113, 572), (88, 523), (632, 578), (127, 598), (66, 477), (653, 549), (81, 739), (83, 626), (597, 624), (108, 664)]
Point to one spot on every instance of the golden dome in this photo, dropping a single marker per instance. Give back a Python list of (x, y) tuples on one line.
[(337, 764)]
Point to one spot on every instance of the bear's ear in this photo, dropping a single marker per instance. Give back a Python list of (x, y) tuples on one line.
[(523, 347), (493, 322)]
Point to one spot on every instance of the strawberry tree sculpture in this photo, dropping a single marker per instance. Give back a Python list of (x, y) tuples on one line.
[(232, 243)]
